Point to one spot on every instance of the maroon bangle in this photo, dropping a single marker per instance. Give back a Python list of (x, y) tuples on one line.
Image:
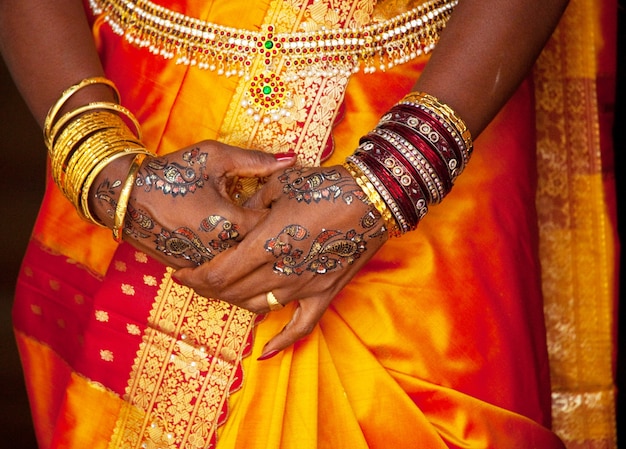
[(435, 159), (399, 168), (414, 158), (434, 185), (453, 132), (378, 144), (394, 187), (432, 132)]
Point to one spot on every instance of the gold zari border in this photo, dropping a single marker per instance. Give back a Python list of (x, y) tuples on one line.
[(576, 247), (184, 371)]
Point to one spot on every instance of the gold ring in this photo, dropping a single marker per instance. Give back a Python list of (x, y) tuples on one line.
[(273, 302)]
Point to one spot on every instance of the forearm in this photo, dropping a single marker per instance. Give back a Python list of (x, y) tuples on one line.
[(47, 46), (485, 52)]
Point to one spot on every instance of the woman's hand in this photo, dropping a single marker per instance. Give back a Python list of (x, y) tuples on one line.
[(320, 230), (180, 211)]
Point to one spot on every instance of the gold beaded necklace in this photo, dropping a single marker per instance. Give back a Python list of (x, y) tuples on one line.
[(285, 56)]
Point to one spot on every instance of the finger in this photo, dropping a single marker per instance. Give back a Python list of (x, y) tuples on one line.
[(228, 275), (264, 197), (302, 323), (245, 219), (253, 163)]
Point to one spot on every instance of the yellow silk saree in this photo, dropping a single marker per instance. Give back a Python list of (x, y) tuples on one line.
[(439, 342)]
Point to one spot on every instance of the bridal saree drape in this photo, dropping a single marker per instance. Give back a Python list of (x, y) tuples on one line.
[(439, 342)]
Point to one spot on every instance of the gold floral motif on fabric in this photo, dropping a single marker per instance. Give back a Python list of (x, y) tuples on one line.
[(575, 240), (304, 128), (187, 365)]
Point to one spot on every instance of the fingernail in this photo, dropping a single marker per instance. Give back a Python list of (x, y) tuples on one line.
[(175, 279), (269, 355), (284, 156)]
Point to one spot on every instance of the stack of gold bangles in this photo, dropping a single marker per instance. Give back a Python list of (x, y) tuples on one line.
[(83, 141), (411, 160)]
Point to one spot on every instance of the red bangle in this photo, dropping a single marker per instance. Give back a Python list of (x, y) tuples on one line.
[(433, 117), (400, 169), (421, 145), (432, 131), (394, 187), (434, 186)]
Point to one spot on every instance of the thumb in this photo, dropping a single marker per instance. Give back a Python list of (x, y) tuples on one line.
[(302, 323), (186, 276), (257, 164), (264, 197)]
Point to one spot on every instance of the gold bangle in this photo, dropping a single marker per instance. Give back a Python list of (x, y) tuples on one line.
[(122, 201), (67, 94), (84, 117), (78, 183), (83, 206), (445, 112), (87, 155), (97, 105), (373, 197), (70, 140)]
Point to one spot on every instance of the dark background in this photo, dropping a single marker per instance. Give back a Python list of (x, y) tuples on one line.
[(22, 170)]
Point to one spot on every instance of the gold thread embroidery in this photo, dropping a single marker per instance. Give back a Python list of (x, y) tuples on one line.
[(185, 368), (150, 280), (106, 355), (128, 289), (133, 329), (102, 316), (36, 309), (141, 257), (575, 248)]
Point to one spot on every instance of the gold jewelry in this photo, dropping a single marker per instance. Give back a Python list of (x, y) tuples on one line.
[(94, 106), (122, 201), (231, 51), (84, 141), (82, 203), (67, 94), (373, 196), (447, 117), (272, 302)]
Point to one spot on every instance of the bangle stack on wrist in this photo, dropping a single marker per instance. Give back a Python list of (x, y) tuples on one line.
[(84, 140), (411, 159)]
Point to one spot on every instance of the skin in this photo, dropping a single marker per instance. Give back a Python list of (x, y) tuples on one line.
[(485, 52)]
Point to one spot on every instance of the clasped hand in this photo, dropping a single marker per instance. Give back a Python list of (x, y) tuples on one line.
[(302, 236), (318, 232)]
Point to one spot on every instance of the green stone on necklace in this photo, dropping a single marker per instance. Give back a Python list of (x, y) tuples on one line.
[(269, 45), (267, 90)]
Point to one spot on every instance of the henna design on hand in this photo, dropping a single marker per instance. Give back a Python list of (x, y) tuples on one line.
[(185, 243), (105, 193), (172, 177), (226, 237), (317, 186), (330, 250)]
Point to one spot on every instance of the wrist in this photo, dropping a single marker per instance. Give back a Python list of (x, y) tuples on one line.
[(92, 145), (411, 159)]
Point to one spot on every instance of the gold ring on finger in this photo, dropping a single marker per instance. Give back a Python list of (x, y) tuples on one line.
[(272, 302)]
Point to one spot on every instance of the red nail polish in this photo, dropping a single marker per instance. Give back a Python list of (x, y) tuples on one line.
[(269, 355), (284, 156)]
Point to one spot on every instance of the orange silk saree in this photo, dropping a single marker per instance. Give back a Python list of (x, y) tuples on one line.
[(439, 342)]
